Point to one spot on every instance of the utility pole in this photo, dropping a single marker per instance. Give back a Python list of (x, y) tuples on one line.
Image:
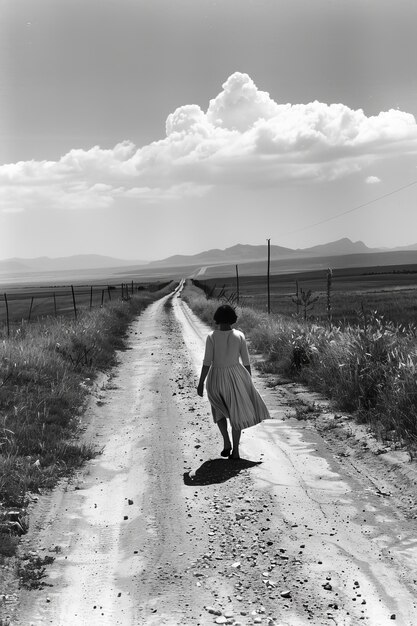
[(269, 266)]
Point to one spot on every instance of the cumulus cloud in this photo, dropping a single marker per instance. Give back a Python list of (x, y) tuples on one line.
[(372, 180), (243, 138)]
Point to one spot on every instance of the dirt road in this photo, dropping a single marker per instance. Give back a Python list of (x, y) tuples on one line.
[(159, 529)]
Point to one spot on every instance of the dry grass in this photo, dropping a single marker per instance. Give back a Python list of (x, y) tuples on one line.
[(46, 369)]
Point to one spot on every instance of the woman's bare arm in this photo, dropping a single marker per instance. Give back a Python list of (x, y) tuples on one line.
[(203, 376)]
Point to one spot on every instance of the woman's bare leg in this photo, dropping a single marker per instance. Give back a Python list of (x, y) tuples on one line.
[(222, 424), (236, 439)]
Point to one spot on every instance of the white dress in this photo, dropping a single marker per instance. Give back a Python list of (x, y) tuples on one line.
[(229, 385)]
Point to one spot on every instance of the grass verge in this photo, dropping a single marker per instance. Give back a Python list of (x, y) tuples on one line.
[(368, 369), (46, 370)]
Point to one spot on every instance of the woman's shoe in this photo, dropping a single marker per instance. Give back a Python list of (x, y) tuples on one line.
[(226, 452)]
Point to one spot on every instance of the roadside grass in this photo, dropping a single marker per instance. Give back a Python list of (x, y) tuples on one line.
[(368, 369), (46, 371)]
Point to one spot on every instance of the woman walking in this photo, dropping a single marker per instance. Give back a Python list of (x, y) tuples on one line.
[(230, 389)]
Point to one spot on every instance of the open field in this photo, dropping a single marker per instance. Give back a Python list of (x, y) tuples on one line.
[(361, 281), (33, 301), (391, 290), (106, 276), (295, 265), (52, 295)]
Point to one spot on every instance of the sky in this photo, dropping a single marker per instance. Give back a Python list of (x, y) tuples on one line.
[(140, 129)]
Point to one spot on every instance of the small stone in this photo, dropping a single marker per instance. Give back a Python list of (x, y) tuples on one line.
[(327, 586), (212, 610), (286, 594), (228, 614), (393, 616), (221, 620)]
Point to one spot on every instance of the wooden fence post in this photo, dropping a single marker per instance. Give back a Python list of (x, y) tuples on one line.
[(102, 297), (237, 285), (91, 297), (73, 301), (108, 291), (329, 295), (7, 315), (132, 287), (55, 304), (297, 296), (30, 309)]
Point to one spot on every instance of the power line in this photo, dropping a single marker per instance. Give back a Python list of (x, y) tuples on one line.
[(356, 208)]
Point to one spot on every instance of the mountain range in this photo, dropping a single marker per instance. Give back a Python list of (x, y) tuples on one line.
[(239, 253), (245, 253)]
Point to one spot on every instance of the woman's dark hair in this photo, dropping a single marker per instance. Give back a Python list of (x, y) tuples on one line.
[(225, 314)]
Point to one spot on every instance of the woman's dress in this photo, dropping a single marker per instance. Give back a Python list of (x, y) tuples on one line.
[(229, 385)]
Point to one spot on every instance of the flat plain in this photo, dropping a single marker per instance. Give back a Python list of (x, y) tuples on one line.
[(390, 290)]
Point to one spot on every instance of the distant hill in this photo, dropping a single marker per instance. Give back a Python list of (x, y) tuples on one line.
[(340, 247), (248, 253), (77, 262), (236, 254), (12, 265)]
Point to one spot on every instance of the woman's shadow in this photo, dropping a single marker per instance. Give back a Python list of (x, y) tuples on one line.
[(217, 471)]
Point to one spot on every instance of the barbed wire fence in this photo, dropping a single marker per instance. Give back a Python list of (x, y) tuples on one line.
[(27, 305)]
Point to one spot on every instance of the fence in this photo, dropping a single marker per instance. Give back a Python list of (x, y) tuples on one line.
[(27, 304)]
